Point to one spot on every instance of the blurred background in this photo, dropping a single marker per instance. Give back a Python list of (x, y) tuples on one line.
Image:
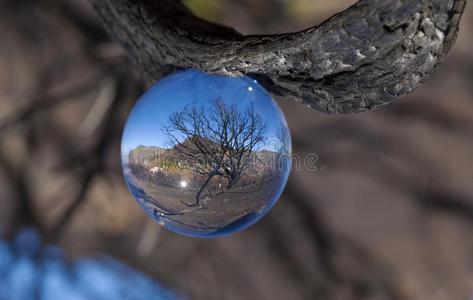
[(388, 214)]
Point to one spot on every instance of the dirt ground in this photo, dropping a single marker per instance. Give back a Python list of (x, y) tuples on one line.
[(170, 205)]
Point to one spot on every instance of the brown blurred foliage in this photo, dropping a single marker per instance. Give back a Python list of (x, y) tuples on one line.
[(388, 214)]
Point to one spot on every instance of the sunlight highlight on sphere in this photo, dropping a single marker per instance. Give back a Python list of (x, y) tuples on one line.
[(206, 155)]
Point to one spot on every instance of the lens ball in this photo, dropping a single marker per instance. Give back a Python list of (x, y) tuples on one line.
[(206, 155)]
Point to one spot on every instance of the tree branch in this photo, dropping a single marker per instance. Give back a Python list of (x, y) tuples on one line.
[(364, 57)]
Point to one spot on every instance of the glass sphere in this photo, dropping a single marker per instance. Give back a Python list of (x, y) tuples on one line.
[(206, 155)]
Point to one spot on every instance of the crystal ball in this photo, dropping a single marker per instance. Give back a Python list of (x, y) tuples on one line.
[(206, 155)]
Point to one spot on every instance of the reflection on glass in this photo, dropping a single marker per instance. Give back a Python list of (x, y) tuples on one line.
[(206, 155)]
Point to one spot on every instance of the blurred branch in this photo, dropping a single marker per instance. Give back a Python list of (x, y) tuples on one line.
[(362, 58), (86, 24), (329, 246), (429, 195), (25, 215), (44, 103), (85, 181), (92, 161)]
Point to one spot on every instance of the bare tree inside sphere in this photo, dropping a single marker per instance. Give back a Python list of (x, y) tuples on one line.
[(206, 155)]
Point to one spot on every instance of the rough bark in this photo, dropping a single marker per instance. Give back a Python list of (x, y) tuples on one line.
[(362, 58)]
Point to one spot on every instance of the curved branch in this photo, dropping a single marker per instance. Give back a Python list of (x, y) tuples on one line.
[(364, 57)]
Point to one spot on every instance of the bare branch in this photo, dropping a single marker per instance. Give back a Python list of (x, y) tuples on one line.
[(365, 57)]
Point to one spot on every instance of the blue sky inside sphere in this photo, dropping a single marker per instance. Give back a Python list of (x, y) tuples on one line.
[(174, 92)]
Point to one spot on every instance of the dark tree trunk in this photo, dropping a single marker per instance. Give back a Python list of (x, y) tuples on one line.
[(202, 188), (362, 58)]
